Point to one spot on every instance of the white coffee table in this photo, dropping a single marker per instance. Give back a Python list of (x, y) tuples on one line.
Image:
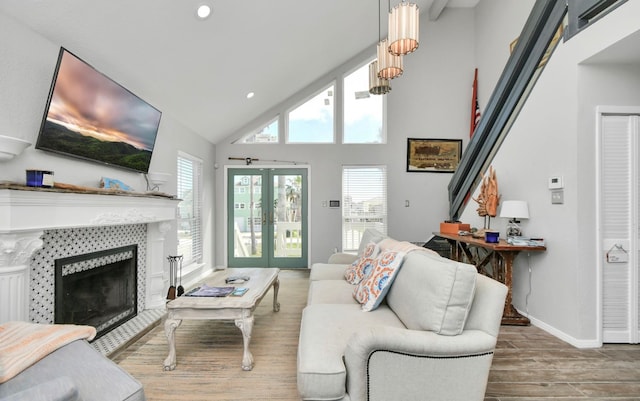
[(239, 309)]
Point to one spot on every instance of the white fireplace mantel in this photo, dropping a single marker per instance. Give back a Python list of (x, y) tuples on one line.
[(25, 214), (45, 210)]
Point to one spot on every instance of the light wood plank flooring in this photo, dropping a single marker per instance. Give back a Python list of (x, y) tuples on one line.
[(529, 363)]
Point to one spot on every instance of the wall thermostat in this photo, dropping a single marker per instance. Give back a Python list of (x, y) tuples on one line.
[(556, 182)]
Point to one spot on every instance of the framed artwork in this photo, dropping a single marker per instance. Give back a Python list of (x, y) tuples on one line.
[(550, 48), (433, 155)]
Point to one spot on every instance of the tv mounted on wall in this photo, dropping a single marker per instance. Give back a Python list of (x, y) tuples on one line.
[(90, 116)]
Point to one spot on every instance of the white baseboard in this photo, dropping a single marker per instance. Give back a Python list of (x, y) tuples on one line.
[(576, 342)]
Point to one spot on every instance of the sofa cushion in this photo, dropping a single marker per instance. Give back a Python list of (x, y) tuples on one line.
[(361, 267), (324, 332), (369, 235), (327, 271), (374, 287), (433, 293), (330, 292)]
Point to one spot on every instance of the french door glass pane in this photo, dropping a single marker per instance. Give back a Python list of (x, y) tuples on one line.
[(287, 216), (248, 216)]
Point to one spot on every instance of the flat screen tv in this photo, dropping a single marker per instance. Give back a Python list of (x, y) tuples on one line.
[(90, 116)]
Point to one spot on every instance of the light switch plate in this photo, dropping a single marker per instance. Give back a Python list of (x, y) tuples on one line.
[(557, 197)]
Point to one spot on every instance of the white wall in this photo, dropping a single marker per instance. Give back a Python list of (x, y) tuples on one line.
[(27, 63), (430, 100), (498, 23), (555, 135)]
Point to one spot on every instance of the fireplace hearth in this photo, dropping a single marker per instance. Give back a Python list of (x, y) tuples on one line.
[(97, 289)]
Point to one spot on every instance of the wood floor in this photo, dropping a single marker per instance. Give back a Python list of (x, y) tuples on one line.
[(529, 364)]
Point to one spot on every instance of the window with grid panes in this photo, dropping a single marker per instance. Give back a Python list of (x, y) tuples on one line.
[(189, 219), (364, 203)]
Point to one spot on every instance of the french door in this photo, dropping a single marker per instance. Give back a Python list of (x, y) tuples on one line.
[(267, 217)]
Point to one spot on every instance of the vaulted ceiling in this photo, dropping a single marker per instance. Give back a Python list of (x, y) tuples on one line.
[(200, 71)]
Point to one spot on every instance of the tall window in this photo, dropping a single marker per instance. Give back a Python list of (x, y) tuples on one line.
[(364, 203), (190, 209), (363, 112)]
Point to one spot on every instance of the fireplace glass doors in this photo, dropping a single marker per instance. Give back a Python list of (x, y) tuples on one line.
[(98, 289)]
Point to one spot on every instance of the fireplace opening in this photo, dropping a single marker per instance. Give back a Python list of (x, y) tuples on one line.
[(98, 289)]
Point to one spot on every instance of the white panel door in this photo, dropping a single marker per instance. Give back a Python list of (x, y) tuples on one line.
[(619, 235)]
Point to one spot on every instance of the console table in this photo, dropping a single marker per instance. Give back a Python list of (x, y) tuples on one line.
[(496, 262)]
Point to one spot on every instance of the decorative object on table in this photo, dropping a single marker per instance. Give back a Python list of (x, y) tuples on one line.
[(525, 241), (40, 178), (237, 279), (488, 199), (112, 183), (492, 237), (453, 227), (433, 155), (11, 147), (514, 210)]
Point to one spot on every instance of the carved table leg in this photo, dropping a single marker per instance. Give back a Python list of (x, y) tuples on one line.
[(246, 326), (276, 287), (170, 326)]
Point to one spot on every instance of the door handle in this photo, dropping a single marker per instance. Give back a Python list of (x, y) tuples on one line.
[(264, 218), (271, 217)]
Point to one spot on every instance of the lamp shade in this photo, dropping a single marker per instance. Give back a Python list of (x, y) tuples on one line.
[(389, 66), (404, 28), (514, 209), (377, 85)]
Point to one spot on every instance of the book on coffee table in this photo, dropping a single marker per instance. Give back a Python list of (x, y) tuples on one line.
[(239, 291), (207, 291)]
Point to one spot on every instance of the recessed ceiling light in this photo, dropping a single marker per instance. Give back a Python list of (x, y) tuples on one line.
[(250, 95), (204, 11)]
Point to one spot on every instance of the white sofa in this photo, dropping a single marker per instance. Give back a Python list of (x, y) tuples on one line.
[(432, 338)]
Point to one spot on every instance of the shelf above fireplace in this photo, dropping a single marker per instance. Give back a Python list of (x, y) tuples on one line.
[(25, 210)]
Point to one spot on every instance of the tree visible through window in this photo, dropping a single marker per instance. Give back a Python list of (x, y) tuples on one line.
[(190, 208), (364, 203)]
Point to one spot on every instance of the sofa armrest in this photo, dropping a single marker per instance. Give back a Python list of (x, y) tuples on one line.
[(389, 363), (341, 258)]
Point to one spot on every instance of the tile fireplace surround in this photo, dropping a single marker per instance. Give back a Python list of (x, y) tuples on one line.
[(28, 218)]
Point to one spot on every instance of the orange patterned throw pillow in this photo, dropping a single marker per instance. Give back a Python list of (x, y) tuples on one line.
[(362, 266), (373, 288)]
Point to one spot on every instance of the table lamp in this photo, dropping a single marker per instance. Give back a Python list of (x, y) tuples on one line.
[(514, 210)]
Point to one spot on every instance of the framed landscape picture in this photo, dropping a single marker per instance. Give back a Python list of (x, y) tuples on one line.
[(433, 155)]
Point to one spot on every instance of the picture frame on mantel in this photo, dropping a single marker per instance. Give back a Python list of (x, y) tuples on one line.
[(433, 155)]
